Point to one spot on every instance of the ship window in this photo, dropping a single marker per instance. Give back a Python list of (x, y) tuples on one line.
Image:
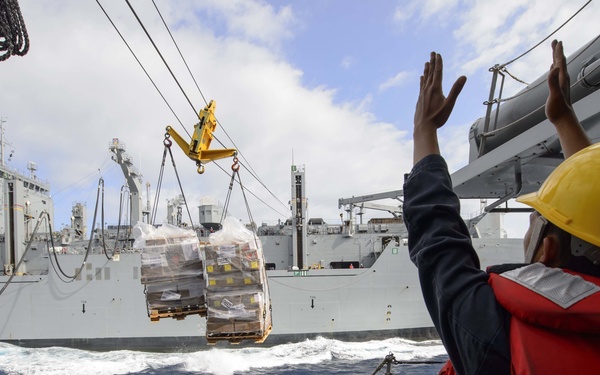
[(98, 273), (88, 266), (386, 239), (89, 277), (106, 273), (78, 277), (343, 264), (135, 273)]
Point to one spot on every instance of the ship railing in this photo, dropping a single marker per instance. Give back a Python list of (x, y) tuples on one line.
[(8, 172), (328, 229)]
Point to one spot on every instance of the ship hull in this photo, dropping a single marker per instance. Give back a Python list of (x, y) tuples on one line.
[(105, 308)]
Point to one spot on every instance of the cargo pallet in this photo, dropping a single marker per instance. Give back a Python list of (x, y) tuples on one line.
[(238, 337), (178, 313)]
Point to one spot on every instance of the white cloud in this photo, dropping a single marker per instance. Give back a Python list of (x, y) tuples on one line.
[(437, 7), (405, 11), (66, 101), (424, 10), (490, 34), (487, 33), (348, 62), (256, 21), (397, 80)]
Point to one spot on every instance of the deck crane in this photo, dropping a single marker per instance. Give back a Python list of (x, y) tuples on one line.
[(361, 203), (197, 148)]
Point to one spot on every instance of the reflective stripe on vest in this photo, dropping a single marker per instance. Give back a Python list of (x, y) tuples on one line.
[(560, 287), (555, 323)]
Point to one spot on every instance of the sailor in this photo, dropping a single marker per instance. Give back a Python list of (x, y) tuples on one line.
[(541, 317)]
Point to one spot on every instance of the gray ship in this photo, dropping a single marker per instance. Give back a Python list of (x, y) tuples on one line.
[(348, 280)]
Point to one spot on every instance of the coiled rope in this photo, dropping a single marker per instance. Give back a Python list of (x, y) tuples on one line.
[(14, 39)]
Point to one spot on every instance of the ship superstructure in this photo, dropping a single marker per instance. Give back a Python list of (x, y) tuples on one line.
[(24, 198)]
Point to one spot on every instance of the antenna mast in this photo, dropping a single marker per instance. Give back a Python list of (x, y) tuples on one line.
[(2, 121)]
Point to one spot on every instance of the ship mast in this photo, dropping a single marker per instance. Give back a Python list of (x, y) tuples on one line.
[(2, 121), (298, 215), (132, 176)]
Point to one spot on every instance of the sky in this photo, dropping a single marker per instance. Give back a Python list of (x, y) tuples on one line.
[(330, 85)]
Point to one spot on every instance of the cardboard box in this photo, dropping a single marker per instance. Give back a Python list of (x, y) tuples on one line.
[(164, 263), (223, 280), (185, 292), (230, 306)]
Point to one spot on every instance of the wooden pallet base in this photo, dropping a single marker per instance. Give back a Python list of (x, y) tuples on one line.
[(238, 337), (177, 313)]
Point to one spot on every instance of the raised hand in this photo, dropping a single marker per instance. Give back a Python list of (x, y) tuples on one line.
[(559, 109), (558, 104), (433, 108)]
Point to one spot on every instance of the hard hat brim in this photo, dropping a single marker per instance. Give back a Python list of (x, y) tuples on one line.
[(528, 199)]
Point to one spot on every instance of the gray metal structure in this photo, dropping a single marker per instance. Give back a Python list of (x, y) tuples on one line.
[(133, 177), (520, 147)]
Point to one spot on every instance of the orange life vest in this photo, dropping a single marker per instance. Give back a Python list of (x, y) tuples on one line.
[(555, 320)]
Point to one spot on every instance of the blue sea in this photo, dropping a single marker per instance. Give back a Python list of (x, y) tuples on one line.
[(318, 356)]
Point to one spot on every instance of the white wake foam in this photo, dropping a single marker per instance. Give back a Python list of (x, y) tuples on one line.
[(50, 361)]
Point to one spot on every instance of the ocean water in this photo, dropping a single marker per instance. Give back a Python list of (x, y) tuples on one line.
[(318, 356)]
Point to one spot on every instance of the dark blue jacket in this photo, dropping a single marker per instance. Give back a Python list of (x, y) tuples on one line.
[(472, 325)]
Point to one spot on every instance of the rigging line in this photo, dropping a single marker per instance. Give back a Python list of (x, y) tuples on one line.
[(37, 225), (124, 206), (249, 168), (265, 186), (180, 54), (250, 218), (114, 250), (194, 79), (152, 218), (100, 189), (78, 182), (144, 69), (89, 247), (554, 32), (201, 93), (254, 195), (52, 263), (162, 58), (528, 89), (245, 200), (102, 230), (514, 77), (493, 132), (255, 175), (227, 198), (181, 188)]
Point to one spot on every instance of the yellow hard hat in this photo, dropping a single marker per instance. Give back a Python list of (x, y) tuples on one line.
[(570, 196)]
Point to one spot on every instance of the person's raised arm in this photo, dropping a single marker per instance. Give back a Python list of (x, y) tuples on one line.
[(433, 108), (559, 109)]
